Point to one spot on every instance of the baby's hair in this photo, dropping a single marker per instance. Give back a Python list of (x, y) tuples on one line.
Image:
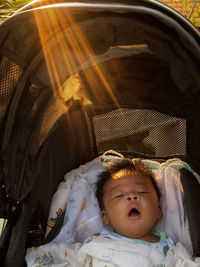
[(129, 167)]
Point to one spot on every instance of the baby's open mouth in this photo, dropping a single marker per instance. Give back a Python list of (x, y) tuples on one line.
[(134, 213)]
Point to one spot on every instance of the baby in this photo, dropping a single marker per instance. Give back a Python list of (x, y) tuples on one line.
[(129, 198)]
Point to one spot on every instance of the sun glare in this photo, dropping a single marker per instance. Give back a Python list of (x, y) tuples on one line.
[(67, 53)]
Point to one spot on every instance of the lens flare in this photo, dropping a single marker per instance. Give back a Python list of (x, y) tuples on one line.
[(67, 50)]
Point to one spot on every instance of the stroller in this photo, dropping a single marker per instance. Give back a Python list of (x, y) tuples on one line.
[(79, 78)]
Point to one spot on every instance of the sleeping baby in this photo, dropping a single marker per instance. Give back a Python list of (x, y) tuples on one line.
[(129, 199)]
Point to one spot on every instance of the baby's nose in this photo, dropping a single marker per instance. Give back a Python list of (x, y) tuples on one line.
[(132, 196)]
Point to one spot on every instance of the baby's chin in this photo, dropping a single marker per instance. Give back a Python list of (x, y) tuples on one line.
[(147, 237)]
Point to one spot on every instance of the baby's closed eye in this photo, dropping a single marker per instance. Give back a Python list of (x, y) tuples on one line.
[(119, 195), (142, 192)]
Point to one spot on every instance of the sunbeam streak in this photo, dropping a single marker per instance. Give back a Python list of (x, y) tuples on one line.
[(68, 53)]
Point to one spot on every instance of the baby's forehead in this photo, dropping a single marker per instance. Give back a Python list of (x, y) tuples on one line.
[(133, 178)]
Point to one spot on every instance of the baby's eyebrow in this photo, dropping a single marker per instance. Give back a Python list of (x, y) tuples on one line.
[(122, 187), (113, 190)]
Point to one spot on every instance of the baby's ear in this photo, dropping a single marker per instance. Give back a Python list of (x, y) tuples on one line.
[(160, 212), (104, 217)]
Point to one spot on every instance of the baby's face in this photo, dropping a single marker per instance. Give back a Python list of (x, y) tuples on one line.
[(131, 205)]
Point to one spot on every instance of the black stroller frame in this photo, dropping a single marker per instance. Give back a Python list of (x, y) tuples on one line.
[(79, 78)]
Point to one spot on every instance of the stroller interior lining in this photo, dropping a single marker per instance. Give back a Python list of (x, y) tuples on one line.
[(40, 96), (113, 33)]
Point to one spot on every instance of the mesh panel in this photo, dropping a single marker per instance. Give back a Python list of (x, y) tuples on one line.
[(9, 76), (140, 131), (28, 98), (22, 130)]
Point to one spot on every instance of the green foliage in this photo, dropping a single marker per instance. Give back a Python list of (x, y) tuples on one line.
[(8, 7), (192, 11)]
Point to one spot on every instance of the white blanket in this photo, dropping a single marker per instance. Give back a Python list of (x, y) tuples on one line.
[(104, 252), (76, 196)]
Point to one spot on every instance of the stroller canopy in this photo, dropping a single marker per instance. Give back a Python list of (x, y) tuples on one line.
[(129, 54)]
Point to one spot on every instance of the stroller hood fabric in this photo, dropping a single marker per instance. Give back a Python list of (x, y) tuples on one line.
[(66, 64), (160, 71)]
